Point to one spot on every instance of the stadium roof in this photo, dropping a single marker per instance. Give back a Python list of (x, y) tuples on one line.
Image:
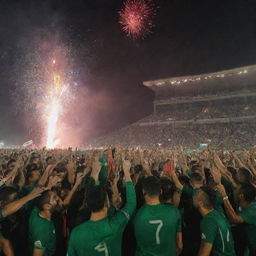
[(176, 81)]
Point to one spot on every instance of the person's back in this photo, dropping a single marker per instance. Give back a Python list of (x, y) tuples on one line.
[(156, 228), (216, 237), (102, 235), (99, 236), (216, 229)]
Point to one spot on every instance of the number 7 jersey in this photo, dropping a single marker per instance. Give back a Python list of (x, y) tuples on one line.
[(156, 228)]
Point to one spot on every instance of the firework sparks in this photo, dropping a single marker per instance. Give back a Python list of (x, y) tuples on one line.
[(55, 97), (137, 17)]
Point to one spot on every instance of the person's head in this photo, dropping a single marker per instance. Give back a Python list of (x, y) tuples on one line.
[(7, 195), (59, 172), (138, 168), (243, 176), (167, 190), (48, 201), (204, 199), (196, 179), (11, 164), (33, 174), (246, 193), (50, 160), (35, 159), (151, 187), (97, 199), (232, 170)]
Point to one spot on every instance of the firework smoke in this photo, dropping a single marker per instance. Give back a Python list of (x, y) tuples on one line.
[(45, 91), (136, 18)]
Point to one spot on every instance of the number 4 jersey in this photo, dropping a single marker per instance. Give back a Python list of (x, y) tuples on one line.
[(103, 237), (156, 228)]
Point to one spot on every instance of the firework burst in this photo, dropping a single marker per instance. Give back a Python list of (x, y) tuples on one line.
[(136, 18), (45, 91)]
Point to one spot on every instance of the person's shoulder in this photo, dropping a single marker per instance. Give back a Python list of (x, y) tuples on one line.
[(83, 227), (141, 211), (212, 217), (34, 214)]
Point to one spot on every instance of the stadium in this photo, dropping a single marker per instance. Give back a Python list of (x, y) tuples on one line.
[(216, 109)]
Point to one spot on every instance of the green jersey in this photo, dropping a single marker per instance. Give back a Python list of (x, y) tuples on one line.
[(103, 237), (29, 205), (41, 234), (248, 214), (215, 230), (156, 228)]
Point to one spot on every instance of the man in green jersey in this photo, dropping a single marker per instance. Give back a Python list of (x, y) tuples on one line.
[(246, 215), (157, 226), (102, 235), (8, 206), (216, 237), (42, 240)]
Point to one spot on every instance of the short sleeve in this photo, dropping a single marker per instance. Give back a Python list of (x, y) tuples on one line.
[(208, 230), (249, 215), (41, 239), (71, 249), (179, 222)]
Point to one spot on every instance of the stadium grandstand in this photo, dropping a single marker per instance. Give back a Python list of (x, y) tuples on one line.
[(216, 109)]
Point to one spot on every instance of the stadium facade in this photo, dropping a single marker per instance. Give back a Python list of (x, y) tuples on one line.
[(217, 109)]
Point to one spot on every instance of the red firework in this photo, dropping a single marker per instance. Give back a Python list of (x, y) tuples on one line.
[(136, 17)]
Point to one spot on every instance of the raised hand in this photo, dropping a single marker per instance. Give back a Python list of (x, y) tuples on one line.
[(53, 181), (36, 192), (216, 175), (126, 165), (79, 178)]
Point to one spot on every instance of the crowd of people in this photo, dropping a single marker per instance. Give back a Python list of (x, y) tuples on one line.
[(190, 136), (127, 201), (201, 111)]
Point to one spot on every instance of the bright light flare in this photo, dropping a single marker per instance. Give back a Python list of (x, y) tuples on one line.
[(137, 17), (55, 97), (52, 124)]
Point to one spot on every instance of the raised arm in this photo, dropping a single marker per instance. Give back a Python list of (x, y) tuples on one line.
[(18, 204)]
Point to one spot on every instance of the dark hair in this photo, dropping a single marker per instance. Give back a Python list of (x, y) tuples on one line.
[(184, 180), (196, 177), (138, 168), (96, 198), (193, 162), (194, 168), (32, 167), (167, 188), (6, 192), (249, 192), (209, 197), (48, 158), (42, 200), (151, 186), (10, 162), (232, 170), (58, 170), (246, 173), (80, 168)]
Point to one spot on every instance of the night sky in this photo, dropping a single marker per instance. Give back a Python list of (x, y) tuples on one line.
[(190, 37)]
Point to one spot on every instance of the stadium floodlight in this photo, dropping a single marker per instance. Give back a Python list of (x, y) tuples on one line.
[(1, 144)]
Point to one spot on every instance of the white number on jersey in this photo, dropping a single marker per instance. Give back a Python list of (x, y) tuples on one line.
[(160, 225), (102, 247)]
